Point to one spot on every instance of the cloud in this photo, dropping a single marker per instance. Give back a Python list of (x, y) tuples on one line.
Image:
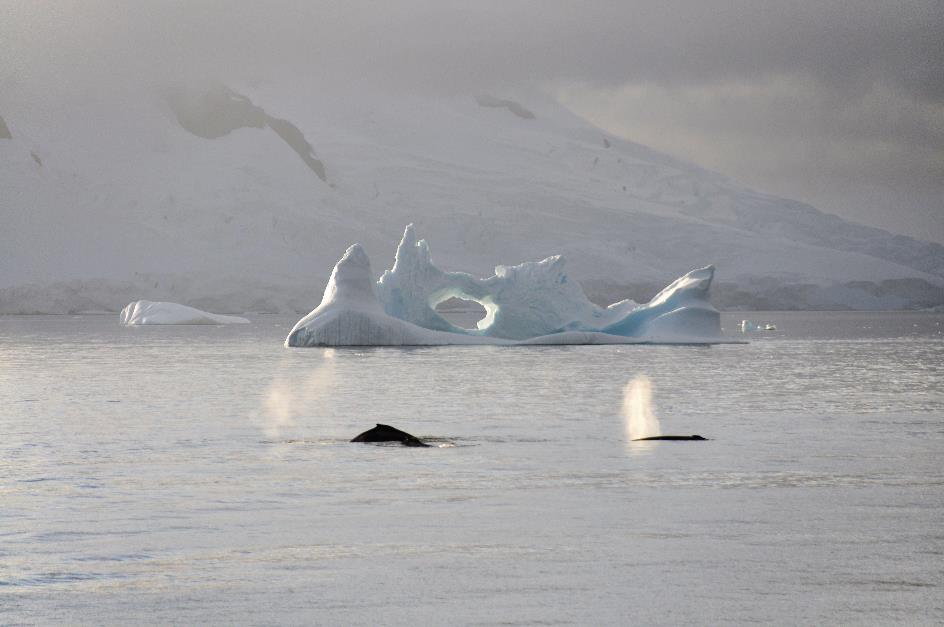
[(451, 43), (875, 156)]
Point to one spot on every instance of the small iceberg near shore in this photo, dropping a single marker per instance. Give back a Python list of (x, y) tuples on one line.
[(746, 326), (142, 312), (531, 303)]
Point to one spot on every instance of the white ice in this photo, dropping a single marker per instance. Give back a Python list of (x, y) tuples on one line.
[(147, 312), (531, 303)]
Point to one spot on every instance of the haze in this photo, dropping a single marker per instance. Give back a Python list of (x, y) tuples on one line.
[(837, 103)]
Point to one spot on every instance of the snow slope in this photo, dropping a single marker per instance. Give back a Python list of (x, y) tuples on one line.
[(241, 198)]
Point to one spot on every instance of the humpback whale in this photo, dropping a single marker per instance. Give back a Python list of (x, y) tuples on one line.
[(386, 433), (671, 437)]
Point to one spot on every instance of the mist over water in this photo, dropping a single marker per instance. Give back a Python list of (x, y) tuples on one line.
[(638, 414), (289, 397)]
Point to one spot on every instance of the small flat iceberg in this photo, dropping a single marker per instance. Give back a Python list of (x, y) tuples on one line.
[(142, 312), (531, 303), (746, 326)]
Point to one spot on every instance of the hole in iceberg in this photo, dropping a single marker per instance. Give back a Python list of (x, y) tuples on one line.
[(461, 312)]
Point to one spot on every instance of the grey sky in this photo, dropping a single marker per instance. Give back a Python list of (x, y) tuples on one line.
[(836, 102)]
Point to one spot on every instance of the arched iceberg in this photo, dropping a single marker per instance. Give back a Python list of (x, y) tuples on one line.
[(531, 303)]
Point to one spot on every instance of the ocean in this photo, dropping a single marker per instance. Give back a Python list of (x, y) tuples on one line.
[(204, 474)]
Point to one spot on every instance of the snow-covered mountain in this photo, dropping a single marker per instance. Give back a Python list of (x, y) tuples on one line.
[(242, 198)]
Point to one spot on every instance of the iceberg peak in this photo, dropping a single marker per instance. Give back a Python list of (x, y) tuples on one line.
[(351, 278), (695, 284)]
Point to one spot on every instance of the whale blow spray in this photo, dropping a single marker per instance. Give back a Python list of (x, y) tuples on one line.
[(638, 416)]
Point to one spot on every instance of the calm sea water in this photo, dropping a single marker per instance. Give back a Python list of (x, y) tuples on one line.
[(202, 475)]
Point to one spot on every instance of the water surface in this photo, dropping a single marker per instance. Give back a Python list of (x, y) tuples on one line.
[(203, 474)]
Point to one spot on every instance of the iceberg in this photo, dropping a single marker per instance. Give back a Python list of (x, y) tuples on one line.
[(142, 312), (747, 326), (530, 303)]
